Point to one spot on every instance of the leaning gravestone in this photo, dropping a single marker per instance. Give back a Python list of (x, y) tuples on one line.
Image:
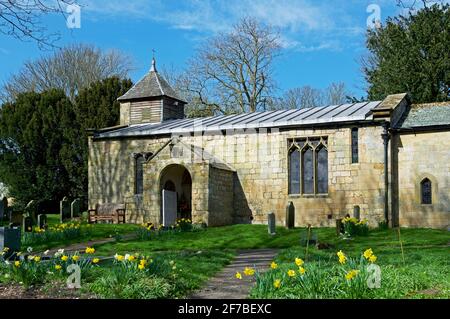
[(75, 208), (42, 221), (27, 224), (271, 223), (64, 210), (31, 210), (3, 208), (290, 215)]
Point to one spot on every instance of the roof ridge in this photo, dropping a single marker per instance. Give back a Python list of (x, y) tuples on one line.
[(159, 84)]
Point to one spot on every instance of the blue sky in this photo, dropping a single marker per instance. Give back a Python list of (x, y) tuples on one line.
[(323, 41)]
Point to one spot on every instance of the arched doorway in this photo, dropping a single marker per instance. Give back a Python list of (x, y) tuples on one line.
[(176, 191)]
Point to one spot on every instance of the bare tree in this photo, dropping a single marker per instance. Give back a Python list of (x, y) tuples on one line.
[(413, 4), (307, 96), (22, 19), (232, 72), (70, 69)]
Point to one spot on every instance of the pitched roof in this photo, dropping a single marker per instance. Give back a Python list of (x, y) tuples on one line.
[(352, 112), (151, 85), (423, 115)]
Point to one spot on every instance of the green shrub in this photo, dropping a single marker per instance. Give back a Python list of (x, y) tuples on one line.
[(355, 227)]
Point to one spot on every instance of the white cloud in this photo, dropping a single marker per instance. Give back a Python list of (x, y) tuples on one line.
[(299, 21)]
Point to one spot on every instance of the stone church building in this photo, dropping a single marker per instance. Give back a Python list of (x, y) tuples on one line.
[(381, 160)]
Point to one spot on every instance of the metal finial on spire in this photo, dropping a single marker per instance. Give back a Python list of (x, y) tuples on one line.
[(153, 68)]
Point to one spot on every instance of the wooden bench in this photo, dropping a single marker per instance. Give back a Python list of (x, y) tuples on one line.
[(107, 212)]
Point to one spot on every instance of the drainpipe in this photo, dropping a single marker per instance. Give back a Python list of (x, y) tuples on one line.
[(386, 137)]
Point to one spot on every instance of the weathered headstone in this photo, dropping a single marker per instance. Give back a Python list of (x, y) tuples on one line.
[(290, 215), (31, 210), (64, 209), (9, 238), (42, 221), (356, 212), (271, 223), (3, 208), (27, 224), (169, 207), (75, 208)]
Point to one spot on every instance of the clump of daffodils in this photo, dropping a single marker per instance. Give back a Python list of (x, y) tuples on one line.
[(368, 254), (248, 271), (342, 257)]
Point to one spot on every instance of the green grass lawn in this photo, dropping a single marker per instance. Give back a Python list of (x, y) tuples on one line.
[(426, 253), (93, 232)]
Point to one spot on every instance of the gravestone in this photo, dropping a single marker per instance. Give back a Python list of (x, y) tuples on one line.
[(271, 223), (27, 224), (10, 238), (356, 212), (308, 238), (64, 209), (290, 215), (3, 208), (75, 208), (31, 210), (42, 221)]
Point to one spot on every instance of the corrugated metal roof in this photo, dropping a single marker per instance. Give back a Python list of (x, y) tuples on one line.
[(269, 119), (422, 115)]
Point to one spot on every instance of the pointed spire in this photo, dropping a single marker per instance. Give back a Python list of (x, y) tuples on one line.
[(153, 68)]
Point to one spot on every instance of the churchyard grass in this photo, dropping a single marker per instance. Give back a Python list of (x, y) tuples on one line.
[(425, 273), (86, 232)]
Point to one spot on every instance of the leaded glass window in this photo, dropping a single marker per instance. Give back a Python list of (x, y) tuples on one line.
[(322, 170), (308, 171), (355, 158), (139, 174), (294, 171), (425, 190)]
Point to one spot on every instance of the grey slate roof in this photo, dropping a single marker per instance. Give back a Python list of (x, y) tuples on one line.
[(353, 112), (151, 85), (422, 115)]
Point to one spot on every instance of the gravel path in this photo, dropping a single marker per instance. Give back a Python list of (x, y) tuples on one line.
[(225, 285)]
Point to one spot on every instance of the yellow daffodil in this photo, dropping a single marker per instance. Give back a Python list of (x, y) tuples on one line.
[(301, 270), (75, 258), (90, 250), (143, 262), (274, 265), (131, 258), (95, 260), (119, 257), (373, 258), (37, 259), (299, 262), (368, 253), (249, 271), (277, 283), (342, 258), (64, 258), (58, 267), (238, 275), (291, 273), (351, 274), (17, 263), (141, 267)]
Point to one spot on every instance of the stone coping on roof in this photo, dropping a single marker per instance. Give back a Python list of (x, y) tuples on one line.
[(350, 112), (425, 115)]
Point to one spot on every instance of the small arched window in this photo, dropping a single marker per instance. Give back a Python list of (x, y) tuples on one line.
[(139, 174), (425, 191)]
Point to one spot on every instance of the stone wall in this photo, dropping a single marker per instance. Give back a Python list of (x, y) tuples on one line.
[(424, 155), (221, 197), (260, 182)]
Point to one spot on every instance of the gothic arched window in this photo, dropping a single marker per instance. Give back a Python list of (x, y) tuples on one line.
[(425, 191)]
